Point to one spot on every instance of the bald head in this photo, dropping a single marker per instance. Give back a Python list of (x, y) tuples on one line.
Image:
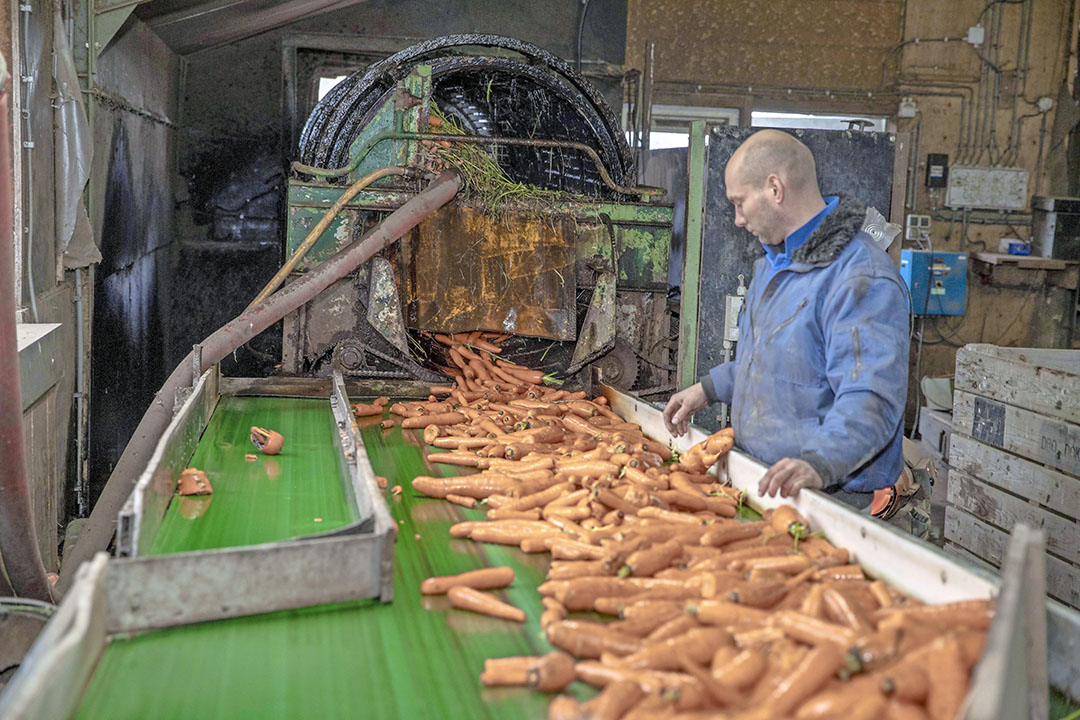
[(771, 181), (772, 152)]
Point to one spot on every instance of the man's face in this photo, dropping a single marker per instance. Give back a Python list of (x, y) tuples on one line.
[(755, 209)]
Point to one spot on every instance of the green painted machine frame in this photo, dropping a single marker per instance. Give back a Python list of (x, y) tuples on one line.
[(622, 244)]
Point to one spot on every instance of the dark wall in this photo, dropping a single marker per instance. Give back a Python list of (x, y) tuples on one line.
[(230, 151), (132, 206)]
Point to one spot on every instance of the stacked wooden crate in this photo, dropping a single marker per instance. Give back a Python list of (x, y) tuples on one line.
[(1015, 457)]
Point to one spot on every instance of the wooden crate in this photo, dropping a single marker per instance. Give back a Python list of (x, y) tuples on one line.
[(1015, 457)]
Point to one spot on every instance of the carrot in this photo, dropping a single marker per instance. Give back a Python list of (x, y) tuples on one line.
[(564, 707), (812, 630), (614, 701), (974, 614), (787, 520), (720, 612), (502, 534), (881, 593), (842, 572), (787, 564), (486, 346), (362, 410), (506, 671), (466, 598), (474, 486), (812, 672), (403, 410), (462, 500), (422, 421), (972, 644), (838, 698), (649, 561), (907, 682), (483, 579), (589, 640), (669, 516), (841, 610), (673, 628), (948, 680), (759, 595), (723, 534), (572, 550), (551, 672), (904, 711), (758, 637), (875, 650), (719, 694), (742, 670), (570, 569), (698, 645), (455, 443)]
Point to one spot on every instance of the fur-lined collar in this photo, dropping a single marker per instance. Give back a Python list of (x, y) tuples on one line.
[(833, 234)]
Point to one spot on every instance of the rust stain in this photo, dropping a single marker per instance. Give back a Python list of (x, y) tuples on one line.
[(464, 270)]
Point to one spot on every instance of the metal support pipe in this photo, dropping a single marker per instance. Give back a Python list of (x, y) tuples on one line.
[(102, 522), (18, 537)]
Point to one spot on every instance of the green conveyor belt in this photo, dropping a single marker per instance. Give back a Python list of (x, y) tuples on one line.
[(298, 492), (413, 658)]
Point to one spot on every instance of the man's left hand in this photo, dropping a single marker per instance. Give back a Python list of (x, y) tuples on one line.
[(788, 476)]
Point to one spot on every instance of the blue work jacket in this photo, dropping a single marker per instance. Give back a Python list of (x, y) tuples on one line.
[(821, 366)]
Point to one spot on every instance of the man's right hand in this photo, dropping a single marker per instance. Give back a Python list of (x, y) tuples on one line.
[(681, 406)]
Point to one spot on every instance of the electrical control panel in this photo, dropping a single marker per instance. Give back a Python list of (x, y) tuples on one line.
[(937, 281), (990, 188), (937, 170)]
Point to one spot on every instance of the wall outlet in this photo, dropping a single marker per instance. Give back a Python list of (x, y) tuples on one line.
[(918, 227)]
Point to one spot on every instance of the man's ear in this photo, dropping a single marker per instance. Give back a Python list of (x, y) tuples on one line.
[(775, 188)]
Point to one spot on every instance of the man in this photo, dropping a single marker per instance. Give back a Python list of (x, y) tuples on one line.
[(819, 381)]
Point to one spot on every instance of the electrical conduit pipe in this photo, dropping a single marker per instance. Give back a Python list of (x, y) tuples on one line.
[(102, 522), (18, 538)]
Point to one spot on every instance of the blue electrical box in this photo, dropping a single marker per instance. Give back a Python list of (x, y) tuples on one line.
[(937, 281)]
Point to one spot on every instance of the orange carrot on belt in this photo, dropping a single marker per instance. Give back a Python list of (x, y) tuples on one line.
[(466, 598), (742, 670), (483, 579), (698, 645), (551, 672), (590, 640), (362, 410), (422, 421), (968, 613), (506, 671), (812, 672), (650, 560), (614, 701), (786, 519), (812, 630), (759, 595), (564, 707), (720, 612), (462, 500)]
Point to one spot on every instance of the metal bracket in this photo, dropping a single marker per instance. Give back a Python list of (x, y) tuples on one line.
[(109, 17)]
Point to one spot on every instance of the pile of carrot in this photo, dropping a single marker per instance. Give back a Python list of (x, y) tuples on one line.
[(710, 617)]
